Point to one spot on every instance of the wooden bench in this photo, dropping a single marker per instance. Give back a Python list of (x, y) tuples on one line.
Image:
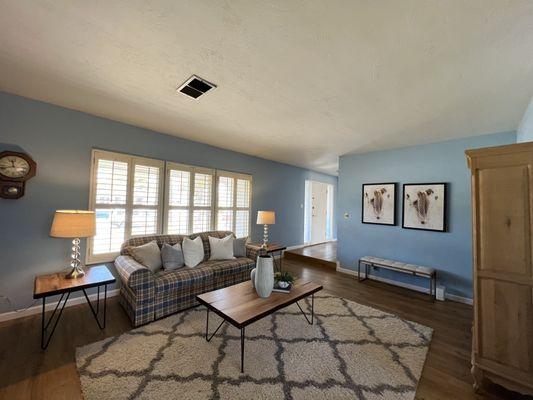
[(411, 269)]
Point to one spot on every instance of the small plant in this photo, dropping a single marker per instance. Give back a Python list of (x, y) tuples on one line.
[(283, 277)]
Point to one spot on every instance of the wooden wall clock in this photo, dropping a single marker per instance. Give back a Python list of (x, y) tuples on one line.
[(15, 169)]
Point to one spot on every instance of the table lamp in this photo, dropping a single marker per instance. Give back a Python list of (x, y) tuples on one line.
[(266, 218), (74, 224)]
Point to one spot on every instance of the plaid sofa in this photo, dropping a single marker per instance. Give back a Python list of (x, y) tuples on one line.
[(147, 296)]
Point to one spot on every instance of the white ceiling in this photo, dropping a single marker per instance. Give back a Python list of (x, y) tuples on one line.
[(300, 82)]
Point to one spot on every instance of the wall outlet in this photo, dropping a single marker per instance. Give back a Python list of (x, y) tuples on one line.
[(440, 292)]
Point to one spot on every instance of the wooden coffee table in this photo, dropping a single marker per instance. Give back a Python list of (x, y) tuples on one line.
[(240, 305)]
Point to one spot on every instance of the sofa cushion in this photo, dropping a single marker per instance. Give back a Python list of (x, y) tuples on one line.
[(205, 239), (227, 267), (148, 255), (179, 279), (193, 251), (221, 249), (239, 247), (172, 256)]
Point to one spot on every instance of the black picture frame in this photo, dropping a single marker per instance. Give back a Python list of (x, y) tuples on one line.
[(444, 206), (395, 202)]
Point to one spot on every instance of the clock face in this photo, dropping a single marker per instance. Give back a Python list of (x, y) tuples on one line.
[(14, 167)]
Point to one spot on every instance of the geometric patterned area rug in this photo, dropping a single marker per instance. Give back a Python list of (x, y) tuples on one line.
[(351, 352)]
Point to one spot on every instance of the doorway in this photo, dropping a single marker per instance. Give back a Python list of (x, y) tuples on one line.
[(318, 219)]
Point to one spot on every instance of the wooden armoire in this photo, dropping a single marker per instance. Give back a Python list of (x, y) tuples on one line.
[(502, 213)]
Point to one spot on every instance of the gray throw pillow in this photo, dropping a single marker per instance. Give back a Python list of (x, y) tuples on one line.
[(239, 247), (148, 255), (172, 256)]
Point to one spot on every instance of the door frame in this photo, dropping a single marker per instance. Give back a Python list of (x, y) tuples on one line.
[(330, 212)]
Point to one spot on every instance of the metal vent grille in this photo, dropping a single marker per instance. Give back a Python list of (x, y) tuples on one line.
[(195, 87)]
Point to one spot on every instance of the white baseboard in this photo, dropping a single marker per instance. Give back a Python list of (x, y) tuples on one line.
[(420, 289), (50, 306), (459, 299)]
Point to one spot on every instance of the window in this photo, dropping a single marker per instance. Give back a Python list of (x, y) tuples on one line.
[(126, 197), (233, 202), (135, 196), (189, 199)]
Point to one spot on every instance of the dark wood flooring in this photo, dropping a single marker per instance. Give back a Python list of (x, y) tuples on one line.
[(26, 372)]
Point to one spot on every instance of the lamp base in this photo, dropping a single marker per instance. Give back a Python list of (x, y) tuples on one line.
[(264, 246), (75, 272)]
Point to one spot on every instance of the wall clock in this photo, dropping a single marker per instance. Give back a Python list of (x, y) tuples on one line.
[(15, 169)]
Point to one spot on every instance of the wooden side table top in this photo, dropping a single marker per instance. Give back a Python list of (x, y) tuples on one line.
[(52, 284), (240, 304), (270, 247)]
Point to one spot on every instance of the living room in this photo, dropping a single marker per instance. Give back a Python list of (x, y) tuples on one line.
[(276, 200)]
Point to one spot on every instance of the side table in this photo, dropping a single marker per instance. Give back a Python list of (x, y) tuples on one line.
[(272, 249), (56, 284)]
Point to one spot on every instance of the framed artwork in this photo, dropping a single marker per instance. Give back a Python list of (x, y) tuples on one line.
[(379, 204), (424, 206)]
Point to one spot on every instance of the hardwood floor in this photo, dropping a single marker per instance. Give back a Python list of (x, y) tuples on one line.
[(26, 372), (323, 254)]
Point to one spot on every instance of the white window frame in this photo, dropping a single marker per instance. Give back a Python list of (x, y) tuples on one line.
[(129, 206), (234, 208), (190, 207), (163, 207)]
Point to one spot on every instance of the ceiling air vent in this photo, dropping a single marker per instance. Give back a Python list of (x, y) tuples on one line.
[(195, 87)]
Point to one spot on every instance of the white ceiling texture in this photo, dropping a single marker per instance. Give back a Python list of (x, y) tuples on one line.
[(301, 82)]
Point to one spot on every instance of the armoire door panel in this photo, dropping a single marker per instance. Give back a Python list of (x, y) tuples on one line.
[(505, 334), (504, 235)]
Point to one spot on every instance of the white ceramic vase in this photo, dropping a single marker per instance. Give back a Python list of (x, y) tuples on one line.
[(262, 276)]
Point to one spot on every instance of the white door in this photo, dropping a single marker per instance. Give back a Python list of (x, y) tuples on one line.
[(319, 210)]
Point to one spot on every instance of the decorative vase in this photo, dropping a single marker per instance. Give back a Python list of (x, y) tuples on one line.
[(262, 276)]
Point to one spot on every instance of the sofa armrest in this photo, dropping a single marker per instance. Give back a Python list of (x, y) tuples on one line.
[(252, 252), (135, 275)]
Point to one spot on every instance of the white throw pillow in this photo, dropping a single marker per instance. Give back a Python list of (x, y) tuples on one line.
[(193, 251), (221, 249)]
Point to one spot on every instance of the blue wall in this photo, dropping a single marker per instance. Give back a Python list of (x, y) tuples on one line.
[(451, 251), (60, 141), (525, 130)]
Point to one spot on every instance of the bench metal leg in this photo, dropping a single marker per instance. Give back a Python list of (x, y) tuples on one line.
[(431, 288), (359, 271)]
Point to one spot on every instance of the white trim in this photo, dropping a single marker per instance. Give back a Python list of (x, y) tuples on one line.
[(233, 208), (459, 299), (420, 289), (162, 207), (7, 316), (128, 206)]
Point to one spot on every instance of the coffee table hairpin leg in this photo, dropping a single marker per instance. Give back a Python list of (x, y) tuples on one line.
[(242, 350), (312, 309), (207, 337)]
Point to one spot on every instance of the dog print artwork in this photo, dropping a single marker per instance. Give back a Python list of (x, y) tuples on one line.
[(379, 203), (424, 206)]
